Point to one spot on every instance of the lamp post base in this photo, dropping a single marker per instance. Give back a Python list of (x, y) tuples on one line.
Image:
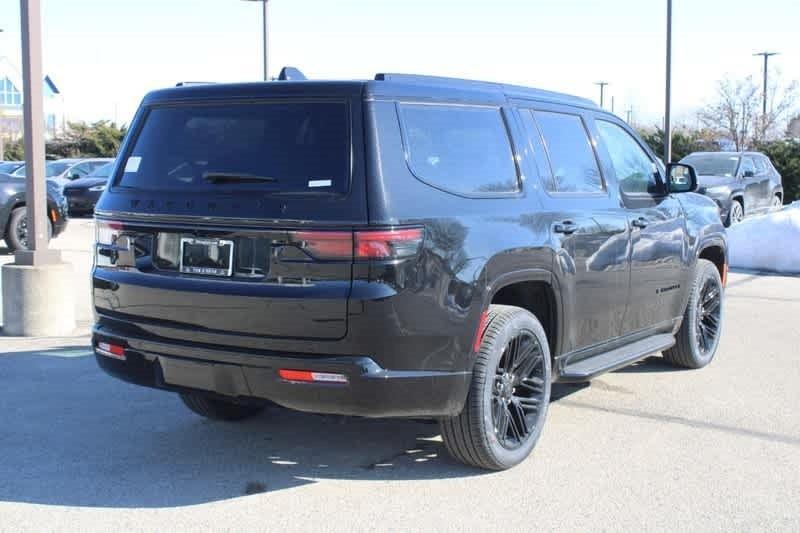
[(38, 301)]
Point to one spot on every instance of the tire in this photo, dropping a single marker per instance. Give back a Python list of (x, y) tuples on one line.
[(698, 339), (13, 238), (735, 214), (484, 434), (777, 203), (217, 409)]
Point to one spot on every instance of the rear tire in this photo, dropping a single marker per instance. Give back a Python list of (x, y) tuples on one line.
[(507, 402), (217, 409), (698, 339), (777, 203)]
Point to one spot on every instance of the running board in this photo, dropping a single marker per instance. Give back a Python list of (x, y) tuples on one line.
[(588, 368)]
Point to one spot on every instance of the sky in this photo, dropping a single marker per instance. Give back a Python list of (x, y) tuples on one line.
[(105, 55)]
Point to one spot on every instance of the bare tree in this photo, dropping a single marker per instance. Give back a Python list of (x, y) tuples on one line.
[(737, 112)]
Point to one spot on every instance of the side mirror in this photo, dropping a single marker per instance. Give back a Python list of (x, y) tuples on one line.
[(681, 178), (748, 174)]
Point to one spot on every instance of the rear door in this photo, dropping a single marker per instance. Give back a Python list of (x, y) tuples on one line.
[(659, 252), (231, 217), (587, 223), (763, 175)]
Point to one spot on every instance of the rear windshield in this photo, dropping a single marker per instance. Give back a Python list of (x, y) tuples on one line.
[(280, 147)]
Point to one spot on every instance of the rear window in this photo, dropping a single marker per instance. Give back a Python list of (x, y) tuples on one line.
[(460, 149), (281, 147)]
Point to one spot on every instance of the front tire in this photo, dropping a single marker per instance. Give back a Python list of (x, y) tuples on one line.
[(735, 214), (507, 402), (698, 339), (17, 230), (217, 409)]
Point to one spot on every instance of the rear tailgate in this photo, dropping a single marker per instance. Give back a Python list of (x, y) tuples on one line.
[(235, 214)]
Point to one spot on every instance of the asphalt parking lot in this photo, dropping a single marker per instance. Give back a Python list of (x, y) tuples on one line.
[(648, 447)]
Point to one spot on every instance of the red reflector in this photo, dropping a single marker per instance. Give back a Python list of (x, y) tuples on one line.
[(306, 376), (383, 244), (482, 323), (111, 350)]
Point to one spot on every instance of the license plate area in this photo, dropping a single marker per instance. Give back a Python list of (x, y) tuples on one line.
[(206, 257)]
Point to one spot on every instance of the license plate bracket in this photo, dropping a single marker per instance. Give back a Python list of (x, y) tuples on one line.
[(206, 256)]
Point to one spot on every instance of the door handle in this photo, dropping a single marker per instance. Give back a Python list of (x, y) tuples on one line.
[(639, 223), (567, 227)]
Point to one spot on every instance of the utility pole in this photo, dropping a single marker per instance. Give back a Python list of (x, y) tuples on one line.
[(612, 103), (668, 87), (265, 32), (766, 55), (33, 117), (602, 85), (629, 114)]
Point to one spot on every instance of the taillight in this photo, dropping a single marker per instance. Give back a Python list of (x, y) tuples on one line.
[(115, 351), (325, 244), (388, 244), (395, 243), (306, 376)]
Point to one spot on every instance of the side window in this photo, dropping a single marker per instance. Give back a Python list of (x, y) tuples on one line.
[(747, 166), (635, 171), (572, 161), (459, 148), (81, 170), (762, 167)]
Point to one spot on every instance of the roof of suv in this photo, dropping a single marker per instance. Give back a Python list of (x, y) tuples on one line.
[(383, 86), (727, 154)]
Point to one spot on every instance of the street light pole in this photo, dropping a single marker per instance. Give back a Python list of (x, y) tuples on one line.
[(668, 87), (33, 123), (265, 32), (602, 85), (766, 55)]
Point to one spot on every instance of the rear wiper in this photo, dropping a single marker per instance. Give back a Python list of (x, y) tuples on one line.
[(235, 177)]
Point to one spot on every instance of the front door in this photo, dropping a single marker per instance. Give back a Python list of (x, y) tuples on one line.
[(659, 252)]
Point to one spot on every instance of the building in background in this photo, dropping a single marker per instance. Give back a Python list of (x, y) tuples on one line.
[(11, 104)]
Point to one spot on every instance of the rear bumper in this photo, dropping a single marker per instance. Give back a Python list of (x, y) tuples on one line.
[(371, 391)]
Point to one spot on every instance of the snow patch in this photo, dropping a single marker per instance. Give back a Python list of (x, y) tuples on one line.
[(770, 242)]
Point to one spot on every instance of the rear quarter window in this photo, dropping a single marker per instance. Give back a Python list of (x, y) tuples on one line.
[(293, 147), (459, 149)]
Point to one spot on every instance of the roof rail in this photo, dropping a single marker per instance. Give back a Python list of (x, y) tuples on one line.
[(432, 80)]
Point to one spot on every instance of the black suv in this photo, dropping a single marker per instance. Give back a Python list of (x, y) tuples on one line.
[(741, 183), (406, 246)]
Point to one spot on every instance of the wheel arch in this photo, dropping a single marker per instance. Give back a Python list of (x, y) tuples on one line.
[(537, 291)]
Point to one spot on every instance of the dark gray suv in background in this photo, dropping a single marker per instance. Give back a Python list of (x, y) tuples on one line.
[(407, 246), (741, 183)]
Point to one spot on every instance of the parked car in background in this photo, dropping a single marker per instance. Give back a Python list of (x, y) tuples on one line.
[(407, 246), (741, 183), (62, 171), (13, 219), (9, 167), (83, 193)]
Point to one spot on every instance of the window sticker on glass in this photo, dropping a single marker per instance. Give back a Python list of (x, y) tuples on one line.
[(132, 165), (320, 183)]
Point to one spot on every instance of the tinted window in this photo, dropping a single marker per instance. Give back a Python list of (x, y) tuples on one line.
[(102, 171), (747, 166), (277, 147), (636, 172), (460, 149), (712, 164), (572, 160), (762, 167), (56, 168)]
